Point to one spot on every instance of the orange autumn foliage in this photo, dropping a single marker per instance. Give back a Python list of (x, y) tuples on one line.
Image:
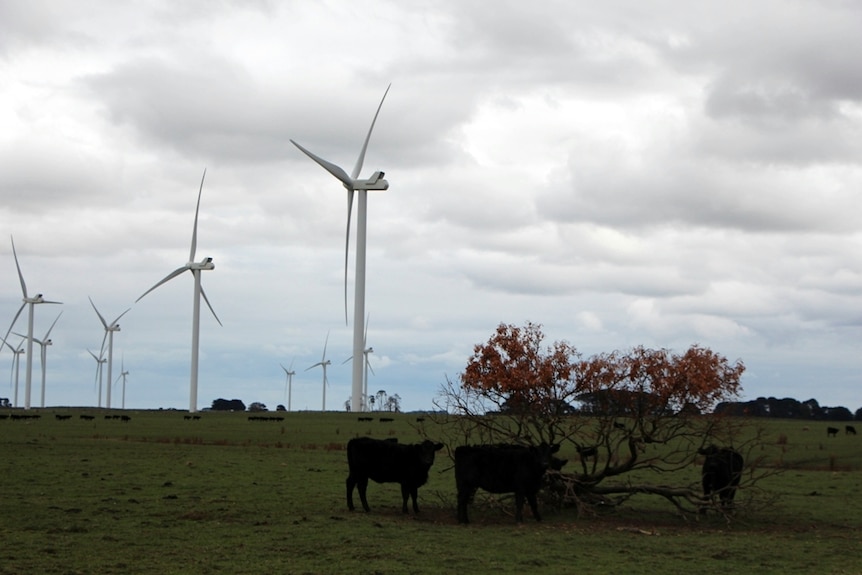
[(514, 370)]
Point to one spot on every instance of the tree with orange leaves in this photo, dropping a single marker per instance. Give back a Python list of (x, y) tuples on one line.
[(612, 406)]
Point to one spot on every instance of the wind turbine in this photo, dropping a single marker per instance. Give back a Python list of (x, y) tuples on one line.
[(288, 385), (323, 363), (196, 268), (123, 374), (15, 365), (109, 335), (43, 345), (99, 362), (353, 184), (31, 301)]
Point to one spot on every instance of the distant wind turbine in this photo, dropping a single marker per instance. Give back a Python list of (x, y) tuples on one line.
[(43, 345), (31, 301), (15, 365), (99, 362), (288, 385), (365, 352), (110, 328), (123, 374), (196, 268), (323, 363), (353, 184)]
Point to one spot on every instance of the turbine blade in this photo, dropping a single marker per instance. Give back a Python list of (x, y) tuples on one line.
[(46, 301), (20, 275), (313, 366), (371, 369), (336, 171), (102, 349), (195, 229), (347, 250), (346, 360), (101, 319), (47, 335), (361, 160), (25, 337), (119, 316), (203, 293), (94, 355), (14, 319), (167, 278), (325, 343)]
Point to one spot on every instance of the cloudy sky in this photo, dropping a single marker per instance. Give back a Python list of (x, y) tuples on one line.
[(657, 173)]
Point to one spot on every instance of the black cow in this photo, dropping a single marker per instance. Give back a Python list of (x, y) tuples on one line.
[(831, 431), (722, 470), (849, 430), (387, 461), (502, 469)]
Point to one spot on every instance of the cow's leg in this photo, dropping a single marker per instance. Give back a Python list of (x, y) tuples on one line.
[(414, 493), (405, 493), (534, 507), (362, 484), (519, 506), (351, 483), (463, 500)]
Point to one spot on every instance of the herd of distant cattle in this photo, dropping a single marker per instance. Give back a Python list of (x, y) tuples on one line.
[(497, 468)]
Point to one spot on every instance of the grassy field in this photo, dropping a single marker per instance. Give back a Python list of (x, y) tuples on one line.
[(161, 494)]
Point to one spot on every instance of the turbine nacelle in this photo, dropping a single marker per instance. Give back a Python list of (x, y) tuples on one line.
[(375, 182), (204, 264)]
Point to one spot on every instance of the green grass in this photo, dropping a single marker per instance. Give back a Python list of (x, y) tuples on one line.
[(162, 495)]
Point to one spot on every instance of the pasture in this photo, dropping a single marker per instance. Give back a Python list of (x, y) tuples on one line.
[(162, 494)]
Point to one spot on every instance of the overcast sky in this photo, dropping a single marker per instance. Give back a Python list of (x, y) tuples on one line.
[(657, 173)]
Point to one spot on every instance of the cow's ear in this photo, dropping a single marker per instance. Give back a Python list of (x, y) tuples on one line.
[(555, 448), (438, 446)]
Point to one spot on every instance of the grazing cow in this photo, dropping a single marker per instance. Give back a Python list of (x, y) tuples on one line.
[(849, 430), (591, 452), (831, 431), (722, 470), (502, 469), (387, 461), (386, 419)]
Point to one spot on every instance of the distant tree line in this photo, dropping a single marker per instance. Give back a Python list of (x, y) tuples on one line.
[(787, 408)]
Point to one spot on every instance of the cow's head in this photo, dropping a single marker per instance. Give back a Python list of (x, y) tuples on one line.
[(543, 453), (427, 449)]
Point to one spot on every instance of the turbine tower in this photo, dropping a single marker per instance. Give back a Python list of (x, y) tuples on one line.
[(196, 268), (365, 352), (288, 385), (352, 184), (110, 328), (323, 363), (31, 302), (99, 362), (15, 365), (43, 352)]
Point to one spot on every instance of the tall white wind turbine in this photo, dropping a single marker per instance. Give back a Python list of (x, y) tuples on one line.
[(110, 328), (288, 384), (15, 365), (323, 363), (196, 268), (100, 361), (353, 184), (31, 302), (43, 352)]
